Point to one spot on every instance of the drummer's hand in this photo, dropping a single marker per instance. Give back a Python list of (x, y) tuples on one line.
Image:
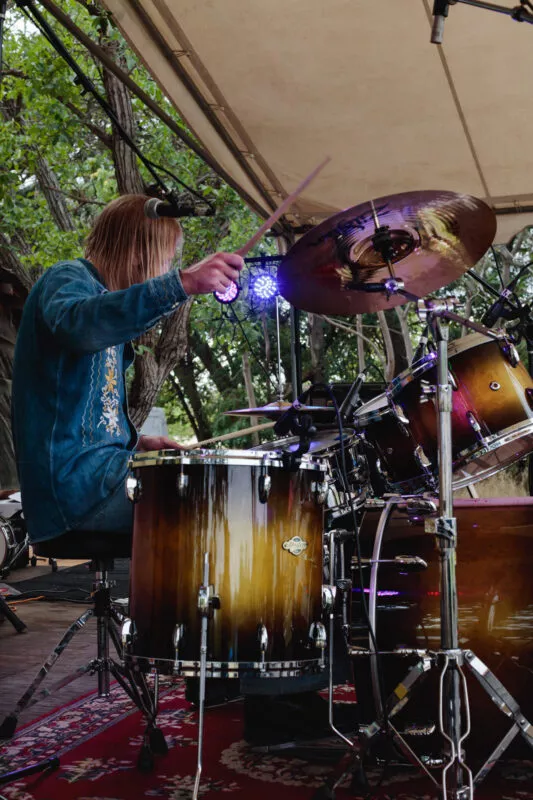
[(213, 274), (158, 443)]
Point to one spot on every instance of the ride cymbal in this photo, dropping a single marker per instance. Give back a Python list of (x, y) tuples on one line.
[(276, 409), (430, 238)]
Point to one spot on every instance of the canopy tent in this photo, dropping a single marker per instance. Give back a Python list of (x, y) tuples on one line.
[(271, 88)]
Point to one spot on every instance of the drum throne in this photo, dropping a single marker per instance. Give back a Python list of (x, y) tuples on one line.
[(101, 548)]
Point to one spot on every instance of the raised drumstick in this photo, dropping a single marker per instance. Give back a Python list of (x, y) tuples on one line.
[(233, 435), (281, 209)]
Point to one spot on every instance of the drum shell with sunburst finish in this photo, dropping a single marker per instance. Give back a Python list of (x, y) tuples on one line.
[(491, 418), (265, 560)]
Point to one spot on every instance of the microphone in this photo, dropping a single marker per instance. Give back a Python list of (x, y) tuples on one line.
[(352, 399), (285, 423), (502, 307), (440, 12), (420, 350), (154, 208)]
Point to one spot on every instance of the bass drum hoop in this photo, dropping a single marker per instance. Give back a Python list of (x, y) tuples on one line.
[(489, 445)]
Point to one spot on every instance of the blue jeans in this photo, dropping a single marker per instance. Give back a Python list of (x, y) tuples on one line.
[(116, 516)]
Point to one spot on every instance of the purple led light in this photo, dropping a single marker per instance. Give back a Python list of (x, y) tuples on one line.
[(264, 287), (231, 294)]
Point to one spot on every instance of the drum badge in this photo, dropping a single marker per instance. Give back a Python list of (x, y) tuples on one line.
[(296, 545)]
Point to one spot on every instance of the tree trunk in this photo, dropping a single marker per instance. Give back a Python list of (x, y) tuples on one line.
[(388, 346), (153, 365), (10, 264), (55, 200), (361, 359), (266, 337), (316, 343), (402, 341), (250, 394), (8, 333), (170, 346), (14, 287), (129, 179), (46, 178), (219, 374), (185, 373)]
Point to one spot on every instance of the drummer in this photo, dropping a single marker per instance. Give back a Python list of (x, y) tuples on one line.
[(72, 433)]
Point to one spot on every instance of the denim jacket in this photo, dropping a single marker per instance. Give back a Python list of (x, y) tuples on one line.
[(73, 437)]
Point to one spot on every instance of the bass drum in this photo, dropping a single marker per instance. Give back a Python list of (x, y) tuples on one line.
[(261, 529), (495, 597)]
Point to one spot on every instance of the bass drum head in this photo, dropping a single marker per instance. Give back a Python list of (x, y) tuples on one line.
[(497, 453), (495, 612)]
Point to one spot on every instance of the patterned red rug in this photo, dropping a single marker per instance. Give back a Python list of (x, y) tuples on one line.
[(98, 742)]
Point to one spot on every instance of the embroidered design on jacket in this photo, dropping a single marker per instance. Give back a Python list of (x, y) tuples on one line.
[(110, 395)]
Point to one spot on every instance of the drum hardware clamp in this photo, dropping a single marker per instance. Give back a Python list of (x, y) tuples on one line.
[(265, 481), (262, 636), (133, 488)]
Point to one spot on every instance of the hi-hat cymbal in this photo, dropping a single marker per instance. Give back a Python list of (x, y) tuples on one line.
[(434, 236), (276, 409)]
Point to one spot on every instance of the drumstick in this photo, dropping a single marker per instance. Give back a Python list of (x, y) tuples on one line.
[(280, 210), (234, 435)]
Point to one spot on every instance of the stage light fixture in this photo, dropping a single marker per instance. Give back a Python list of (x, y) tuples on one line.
[(264, 286), (229, 295)]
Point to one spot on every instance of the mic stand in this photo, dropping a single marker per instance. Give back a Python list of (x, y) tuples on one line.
[(304, 428), (518, 13)]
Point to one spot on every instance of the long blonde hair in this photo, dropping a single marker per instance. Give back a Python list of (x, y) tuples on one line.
[(126, 246)]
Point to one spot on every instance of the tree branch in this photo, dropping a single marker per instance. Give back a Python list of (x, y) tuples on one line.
[(79, 198), (104, 137)]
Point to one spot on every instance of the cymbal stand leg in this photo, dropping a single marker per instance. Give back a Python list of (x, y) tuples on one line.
[(507, 705)]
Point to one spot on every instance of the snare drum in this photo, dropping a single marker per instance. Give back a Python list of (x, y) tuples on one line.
[(261, 528), (326, 445), (392, 448), (492, 416)]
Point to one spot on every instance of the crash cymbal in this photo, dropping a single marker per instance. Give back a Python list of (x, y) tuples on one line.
[(434, 237), (276, 409)]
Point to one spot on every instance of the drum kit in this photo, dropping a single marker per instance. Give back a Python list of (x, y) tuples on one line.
[(244, 561)]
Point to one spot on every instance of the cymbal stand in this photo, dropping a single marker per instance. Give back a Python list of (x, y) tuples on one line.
[(457, 780)]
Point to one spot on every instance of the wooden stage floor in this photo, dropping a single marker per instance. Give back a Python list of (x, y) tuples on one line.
[(22, 654)]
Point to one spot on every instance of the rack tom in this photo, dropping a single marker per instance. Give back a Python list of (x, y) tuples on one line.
[(261, 528), (492, 416)]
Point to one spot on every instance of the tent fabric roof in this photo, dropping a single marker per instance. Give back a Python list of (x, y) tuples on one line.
[(271, 88)]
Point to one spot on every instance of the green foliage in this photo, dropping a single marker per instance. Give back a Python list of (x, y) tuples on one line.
[(47, 116)]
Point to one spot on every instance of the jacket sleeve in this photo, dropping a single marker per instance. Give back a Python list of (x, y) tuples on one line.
[(85, 317)]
